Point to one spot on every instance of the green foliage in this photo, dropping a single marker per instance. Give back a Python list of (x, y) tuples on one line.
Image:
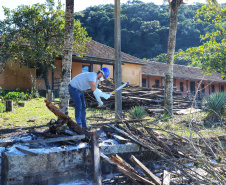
[(215, 105), (181, 59), (33, 36), (2, 107), (211, 55), (137, 112), (16, 96), (145, 27)]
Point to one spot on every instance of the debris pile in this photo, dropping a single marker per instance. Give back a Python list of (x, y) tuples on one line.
[(152, 98)]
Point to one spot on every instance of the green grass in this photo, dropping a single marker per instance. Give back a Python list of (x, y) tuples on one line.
[(35, 113)]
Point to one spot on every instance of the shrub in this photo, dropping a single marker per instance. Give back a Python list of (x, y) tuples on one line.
[(16, 96), (137, 112), (215, 105)]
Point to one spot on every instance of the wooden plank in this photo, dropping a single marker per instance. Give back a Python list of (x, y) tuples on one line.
[(146, 171), (187, 111), (95, 153), (166, 178)]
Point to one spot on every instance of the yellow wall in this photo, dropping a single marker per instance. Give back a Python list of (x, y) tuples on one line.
[(16, 77), (132, 73)]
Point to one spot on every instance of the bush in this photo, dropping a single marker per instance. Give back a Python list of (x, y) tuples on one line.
[(16, 96), (215, 105), (137, 112)]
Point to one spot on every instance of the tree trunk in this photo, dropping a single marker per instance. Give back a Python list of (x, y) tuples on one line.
[(67, 56), (168, 94)]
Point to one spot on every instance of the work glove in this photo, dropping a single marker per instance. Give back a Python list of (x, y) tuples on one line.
[(97, 96), (102, 94)]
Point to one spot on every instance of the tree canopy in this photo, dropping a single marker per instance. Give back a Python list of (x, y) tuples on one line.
[(33, 36), (211, 55), (145, 27)]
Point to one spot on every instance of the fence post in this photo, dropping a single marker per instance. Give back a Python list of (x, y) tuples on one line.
[(9, 105)]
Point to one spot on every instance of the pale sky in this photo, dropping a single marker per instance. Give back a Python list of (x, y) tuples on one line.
[(79, 5)]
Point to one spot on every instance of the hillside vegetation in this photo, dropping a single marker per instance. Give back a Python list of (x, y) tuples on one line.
[(145, 27)]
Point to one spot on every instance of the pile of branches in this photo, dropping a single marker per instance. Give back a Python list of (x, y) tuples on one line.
[(190, 161), (134, 96)]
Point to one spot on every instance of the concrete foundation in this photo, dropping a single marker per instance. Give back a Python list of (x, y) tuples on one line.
[(52, 168)]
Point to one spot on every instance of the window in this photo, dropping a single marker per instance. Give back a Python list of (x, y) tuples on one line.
[(182, 86), (203, 88), (85, 69), (222, 88), (143, 82), (213, 88), (156, 83)]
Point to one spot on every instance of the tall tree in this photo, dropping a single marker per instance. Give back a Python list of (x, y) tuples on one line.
[(67, 55), (168, 93), (32, 36)]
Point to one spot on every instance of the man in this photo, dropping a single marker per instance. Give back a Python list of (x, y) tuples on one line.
[(81, 83)]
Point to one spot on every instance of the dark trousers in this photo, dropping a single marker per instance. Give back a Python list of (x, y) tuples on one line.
[(80, 106)]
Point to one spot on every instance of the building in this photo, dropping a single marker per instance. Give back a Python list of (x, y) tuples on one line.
[(137, 71)]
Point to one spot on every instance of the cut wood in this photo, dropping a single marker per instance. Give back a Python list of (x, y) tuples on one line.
[(146, 171), (187, 111)]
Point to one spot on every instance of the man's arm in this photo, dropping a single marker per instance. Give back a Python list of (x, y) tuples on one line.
[(93, 85)]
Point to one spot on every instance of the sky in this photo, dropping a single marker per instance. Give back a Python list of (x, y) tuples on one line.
[(79, 5)]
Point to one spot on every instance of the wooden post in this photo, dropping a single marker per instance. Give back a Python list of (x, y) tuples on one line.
[(148, 81), (118, 75), (95, 152), (9, 105)]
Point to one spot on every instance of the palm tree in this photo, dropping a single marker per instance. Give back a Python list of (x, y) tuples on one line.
[(168, 93), (67, 56)]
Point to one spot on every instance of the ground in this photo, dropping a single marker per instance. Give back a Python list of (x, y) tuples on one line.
[(36, 114)]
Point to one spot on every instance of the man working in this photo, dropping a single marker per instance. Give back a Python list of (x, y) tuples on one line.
[(81, 83)]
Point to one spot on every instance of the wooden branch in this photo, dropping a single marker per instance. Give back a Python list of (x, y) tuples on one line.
[(146, 171), (72, 124), (119, 168), (26, 151), (119, 139)]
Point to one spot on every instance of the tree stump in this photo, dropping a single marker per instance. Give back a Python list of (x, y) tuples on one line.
[(9, 105)]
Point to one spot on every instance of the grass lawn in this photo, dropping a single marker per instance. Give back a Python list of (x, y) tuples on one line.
[(35, 113)]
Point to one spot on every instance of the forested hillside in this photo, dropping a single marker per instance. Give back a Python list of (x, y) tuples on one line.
[(145, 27)]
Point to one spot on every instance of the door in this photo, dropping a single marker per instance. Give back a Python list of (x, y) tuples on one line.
[(192, 87)]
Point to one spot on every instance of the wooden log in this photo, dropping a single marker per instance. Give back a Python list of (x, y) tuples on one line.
[(166, 178), (61, 115), (95, 153), (9, 105), (51, 140), (146, 171)]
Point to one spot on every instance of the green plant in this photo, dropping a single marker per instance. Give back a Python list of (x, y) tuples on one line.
[(215, 105), (2, 107), (16, 96), (137, 112)]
